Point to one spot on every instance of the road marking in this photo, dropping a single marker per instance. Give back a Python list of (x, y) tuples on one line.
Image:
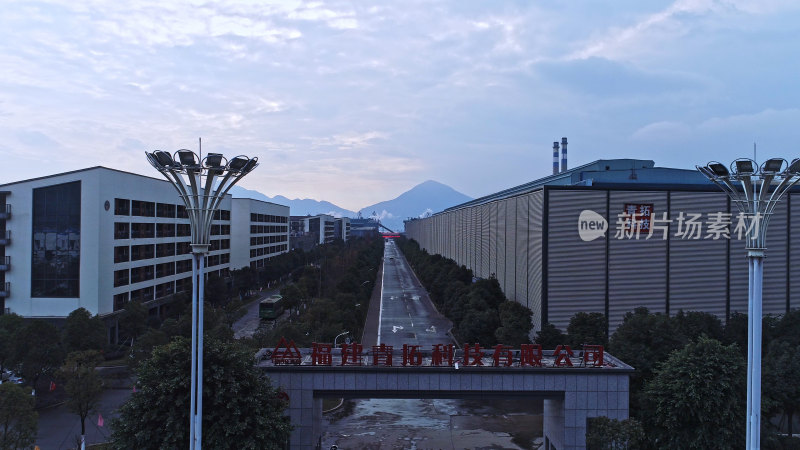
[(396, 328), (380, 309)]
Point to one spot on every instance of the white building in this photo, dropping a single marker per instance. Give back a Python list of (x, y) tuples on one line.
[(322, 225), (260, 230), (97, 238)]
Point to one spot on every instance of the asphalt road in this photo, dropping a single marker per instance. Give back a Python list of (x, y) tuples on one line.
[(407, 315)]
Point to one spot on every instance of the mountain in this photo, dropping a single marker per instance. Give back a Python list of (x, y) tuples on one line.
[(428, 197), (297, 207)]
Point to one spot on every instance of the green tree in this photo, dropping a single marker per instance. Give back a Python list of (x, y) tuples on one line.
[(292, 296), (587, 328), (697, 398), (694, 324), (612, 434), (83, 384), (515, 324), (549, 336), (240, 409), (83, 332), (10, 324), (38, 350), (18, 419), (133, 321), (216, 290), (642, 341), (781, 383)]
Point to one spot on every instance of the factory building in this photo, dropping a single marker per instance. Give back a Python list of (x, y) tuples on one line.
[(98, 238), (614, 235)]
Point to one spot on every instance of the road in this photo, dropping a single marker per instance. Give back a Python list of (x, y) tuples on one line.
[(401, 312), (248, 324), (407, 315)]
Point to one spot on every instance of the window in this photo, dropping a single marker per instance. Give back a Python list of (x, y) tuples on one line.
[(184, 265), (142, 230), (165, 269), (165, 289), (166, 210), (183, 285), (122, 230), (184, 229), (142, 295), (56, 230), (181, 212), (226, 214), (121, 254), (165, 229), (183, 248), (167, 249), (139, 252), (122, 207), (120, 300), (143, 209), (142, 273), (225, 244), (120, 277)]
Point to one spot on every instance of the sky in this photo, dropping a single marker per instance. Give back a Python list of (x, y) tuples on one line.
[(357, 102)]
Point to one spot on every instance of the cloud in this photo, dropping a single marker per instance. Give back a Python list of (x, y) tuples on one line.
[(37, 139), (664, 130)]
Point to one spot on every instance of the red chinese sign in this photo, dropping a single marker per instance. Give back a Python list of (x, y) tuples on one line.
[(638, 216), (442, 355)]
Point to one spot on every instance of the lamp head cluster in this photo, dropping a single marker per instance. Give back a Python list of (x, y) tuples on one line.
[(747, 169), (187, 161)]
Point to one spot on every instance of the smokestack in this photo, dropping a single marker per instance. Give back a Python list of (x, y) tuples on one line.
[(563, 154), (555, 158)]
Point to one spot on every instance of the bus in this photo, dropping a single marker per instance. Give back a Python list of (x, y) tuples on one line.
[(270, 308)]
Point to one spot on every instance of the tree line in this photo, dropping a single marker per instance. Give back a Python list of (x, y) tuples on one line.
[(689, 385), (478, 308)]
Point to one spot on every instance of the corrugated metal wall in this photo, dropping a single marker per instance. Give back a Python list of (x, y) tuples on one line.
[(637, 267), (576, 276), (505, 238), (509, 274), (535, 240), (522, 261), (697, 269)]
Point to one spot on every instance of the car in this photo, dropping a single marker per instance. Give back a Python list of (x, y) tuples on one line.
[(9, 376)]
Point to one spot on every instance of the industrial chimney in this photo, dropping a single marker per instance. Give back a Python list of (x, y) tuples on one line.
[(563, 154), (555, 158)]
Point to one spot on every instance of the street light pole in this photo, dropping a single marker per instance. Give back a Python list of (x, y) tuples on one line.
[(762, 187), (186, 171)]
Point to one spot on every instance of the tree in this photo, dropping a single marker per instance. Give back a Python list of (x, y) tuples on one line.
[(38, 350), (18, 419), (240, 409), (612, 434), (83, 384), (83, 332), (291, 296), (515, 324), (697, 398), (642, 341), (549, 336), (694, 324), (587, 328), (782, 379), (133, 320), (10, 324), (216, 290)]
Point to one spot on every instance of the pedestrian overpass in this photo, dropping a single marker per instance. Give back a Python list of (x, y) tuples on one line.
[(573, 385)]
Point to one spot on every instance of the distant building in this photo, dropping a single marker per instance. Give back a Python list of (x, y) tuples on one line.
[(561, 245), (98, 238), (364, 227)]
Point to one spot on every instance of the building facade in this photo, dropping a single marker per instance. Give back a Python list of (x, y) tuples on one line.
[(98, 238), (260, 232), (563, 249)]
